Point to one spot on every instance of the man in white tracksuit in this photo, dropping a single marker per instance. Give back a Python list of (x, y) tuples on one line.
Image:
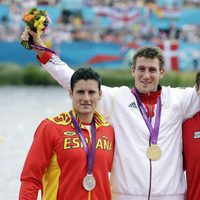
[(148, 127)]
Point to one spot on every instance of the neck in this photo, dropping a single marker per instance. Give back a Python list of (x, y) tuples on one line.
[(149, 93), (85, 118)]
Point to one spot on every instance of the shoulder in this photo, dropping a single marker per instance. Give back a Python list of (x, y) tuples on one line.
[(194, 119), (178, 92), (61, 119), (177, 89), (100, 120), (114, 90)]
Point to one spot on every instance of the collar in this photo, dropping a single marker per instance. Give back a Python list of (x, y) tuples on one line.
[(150, 100), (65, 119), (99, 120)]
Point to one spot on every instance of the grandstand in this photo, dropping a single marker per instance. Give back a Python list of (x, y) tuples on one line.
[(111, 28)]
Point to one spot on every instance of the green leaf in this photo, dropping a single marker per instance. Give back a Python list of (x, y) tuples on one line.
[(32, 10)]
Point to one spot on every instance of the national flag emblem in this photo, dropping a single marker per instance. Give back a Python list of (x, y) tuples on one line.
[(197, 134)]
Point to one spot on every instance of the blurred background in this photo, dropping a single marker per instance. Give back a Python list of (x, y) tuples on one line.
[(101, 33), (106, 33)]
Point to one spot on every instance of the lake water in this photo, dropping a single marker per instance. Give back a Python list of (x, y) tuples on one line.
[(21, 111)]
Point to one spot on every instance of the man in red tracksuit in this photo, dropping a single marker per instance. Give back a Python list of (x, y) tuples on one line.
[(71, 154), (191, 152)]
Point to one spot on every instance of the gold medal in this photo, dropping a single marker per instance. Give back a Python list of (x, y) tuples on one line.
[(154, 152)]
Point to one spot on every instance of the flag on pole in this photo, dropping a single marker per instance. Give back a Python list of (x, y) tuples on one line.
[(171, 53), (120, 16)]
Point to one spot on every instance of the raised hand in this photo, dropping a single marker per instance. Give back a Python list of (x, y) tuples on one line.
[(36, 39)]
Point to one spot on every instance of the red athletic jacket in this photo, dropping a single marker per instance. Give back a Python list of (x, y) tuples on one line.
[(191, 152), (56, 162)]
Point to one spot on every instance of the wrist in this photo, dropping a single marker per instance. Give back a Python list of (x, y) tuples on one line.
[(38, 42)]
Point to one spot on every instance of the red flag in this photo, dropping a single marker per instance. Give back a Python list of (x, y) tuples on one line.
[(170, 49), (103, 58), (133, 45)]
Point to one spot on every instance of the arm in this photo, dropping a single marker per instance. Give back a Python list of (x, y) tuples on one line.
[(36, 40), (62, 73), (191, 100), (35, 164), (59, 70)]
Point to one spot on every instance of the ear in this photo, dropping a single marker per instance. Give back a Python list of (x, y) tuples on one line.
[(162, 72), (197, 89), (100, 94), (133, 70), (70, 93)]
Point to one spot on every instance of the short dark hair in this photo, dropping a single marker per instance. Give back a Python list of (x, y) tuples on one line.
[(85, 73), (149, 52), (198, 80)]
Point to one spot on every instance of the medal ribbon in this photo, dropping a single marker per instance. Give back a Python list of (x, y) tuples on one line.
[(42, 48), (153, 131), (39, 47), (89, 154)]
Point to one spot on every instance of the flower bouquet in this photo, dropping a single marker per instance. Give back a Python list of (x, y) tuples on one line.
[(37, 21)]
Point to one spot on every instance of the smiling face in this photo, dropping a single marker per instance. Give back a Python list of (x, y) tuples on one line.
[(147, 74), (85, 97)]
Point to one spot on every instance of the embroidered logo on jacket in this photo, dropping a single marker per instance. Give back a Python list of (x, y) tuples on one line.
[(197, 134), (103, 143), (132, 105), (69, 133)]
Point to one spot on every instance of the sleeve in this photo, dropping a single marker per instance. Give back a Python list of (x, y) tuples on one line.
[(113, 148), (59, 70), (45, 57), (36, 162), (106, 104), (191, 102), (62, 73)]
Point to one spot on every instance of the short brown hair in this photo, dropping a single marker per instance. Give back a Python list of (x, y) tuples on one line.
[(149, 52)]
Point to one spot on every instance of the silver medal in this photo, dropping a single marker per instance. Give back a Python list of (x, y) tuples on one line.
[(89, 182)]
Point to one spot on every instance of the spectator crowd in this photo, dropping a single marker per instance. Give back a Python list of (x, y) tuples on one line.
[(73, 26)]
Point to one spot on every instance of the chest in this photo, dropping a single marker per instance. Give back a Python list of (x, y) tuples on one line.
[(69, 147)]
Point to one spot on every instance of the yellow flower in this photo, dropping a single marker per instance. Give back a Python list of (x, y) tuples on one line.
[(36, 23), (40, 27), (42, 19)]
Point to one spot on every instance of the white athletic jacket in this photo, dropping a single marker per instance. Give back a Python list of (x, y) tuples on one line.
[(134, 176)]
